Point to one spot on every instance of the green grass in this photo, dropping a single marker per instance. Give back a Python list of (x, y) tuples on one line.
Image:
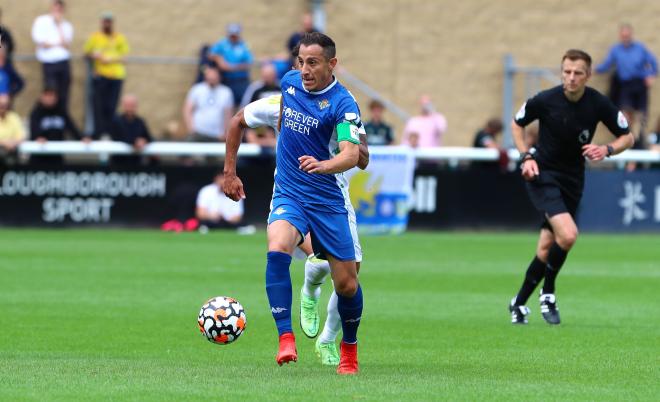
[(111, 315)]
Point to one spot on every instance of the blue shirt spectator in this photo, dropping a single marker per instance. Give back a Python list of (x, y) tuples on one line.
[(4, 82), (631, 59), (233, 57)]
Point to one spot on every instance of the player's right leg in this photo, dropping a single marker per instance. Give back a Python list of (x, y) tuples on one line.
[(285, 225), (565, 234)]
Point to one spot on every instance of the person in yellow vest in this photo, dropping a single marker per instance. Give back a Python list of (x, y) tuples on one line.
[(107, 50), (12, 131)]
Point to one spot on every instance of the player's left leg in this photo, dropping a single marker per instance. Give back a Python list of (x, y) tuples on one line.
[(565, 233), (349, 306), (316, 270)]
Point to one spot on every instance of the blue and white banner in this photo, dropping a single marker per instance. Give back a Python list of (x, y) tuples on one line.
[(617, 201), (381, 194)]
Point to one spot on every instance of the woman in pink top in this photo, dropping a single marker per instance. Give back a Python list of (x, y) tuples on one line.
[(429, 126)]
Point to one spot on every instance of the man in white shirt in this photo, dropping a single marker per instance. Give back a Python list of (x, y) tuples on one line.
[(52, 35), (216, 210), (208, 108)]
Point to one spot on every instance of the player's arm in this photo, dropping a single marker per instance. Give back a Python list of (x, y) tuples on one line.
[(599, 152), (233, 186), (363, 160), (347, 158), (530, 169)]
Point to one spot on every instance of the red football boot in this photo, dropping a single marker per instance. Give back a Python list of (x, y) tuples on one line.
[(348, 361), (287, 352)]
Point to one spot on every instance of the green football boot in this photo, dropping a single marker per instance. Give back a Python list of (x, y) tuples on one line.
[(328, 353), (309, 315)]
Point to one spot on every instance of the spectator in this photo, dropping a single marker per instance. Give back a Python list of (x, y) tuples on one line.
[(378, 132), (487, 136), (636, 68), (429, 125), (131, 129), (307, 23), (10, 81), (12, 132), (268, 85), (53, 35), (215, 209), (107, 49), (7, 41), (49, 121), (234, 59), (208, 108)]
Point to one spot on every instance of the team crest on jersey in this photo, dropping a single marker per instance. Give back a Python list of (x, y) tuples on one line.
[(324, 104), (291, 91), (584, 137)]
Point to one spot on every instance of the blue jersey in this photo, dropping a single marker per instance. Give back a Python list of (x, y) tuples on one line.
[(308, 127)]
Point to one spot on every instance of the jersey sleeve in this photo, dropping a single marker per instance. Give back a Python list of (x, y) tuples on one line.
[(263, 112), (528, 112), (613, 118), (348, 121)]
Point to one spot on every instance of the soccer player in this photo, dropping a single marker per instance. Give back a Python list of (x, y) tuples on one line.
[(266, 112), (318, 138), (568, 115)]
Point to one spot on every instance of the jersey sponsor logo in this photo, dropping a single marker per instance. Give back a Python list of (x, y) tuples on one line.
[(324, 104), (291, 91), (298, 121), (521, 112), (584, 137), (621, 120), (279, 211)]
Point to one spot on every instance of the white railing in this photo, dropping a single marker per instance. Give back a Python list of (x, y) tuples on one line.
[(453, 155)]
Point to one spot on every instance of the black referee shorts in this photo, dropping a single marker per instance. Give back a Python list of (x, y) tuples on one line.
[(553, 193)]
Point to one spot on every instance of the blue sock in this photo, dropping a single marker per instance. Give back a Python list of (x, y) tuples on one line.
[(350, 312), (278, 288)]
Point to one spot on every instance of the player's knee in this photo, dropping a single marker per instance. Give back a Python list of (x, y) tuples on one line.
[(346, 287), (568, 239), (542, 254), (280, 246)]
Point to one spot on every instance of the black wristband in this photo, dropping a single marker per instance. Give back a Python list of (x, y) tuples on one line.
[(525, 156), (610, 150)]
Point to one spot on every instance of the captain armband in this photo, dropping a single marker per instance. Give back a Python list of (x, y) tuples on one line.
[(347, 131)]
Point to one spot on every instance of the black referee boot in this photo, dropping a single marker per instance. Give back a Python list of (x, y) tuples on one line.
[(518, 313), (549, 308)]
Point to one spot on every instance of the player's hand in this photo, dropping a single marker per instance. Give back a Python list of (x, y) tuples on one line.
[(233, 187), (310, 165), (530, 169), (594, 152)]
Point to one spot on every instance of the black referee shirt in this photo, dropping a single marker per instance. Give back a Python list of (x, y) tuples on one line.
[(565, 126)]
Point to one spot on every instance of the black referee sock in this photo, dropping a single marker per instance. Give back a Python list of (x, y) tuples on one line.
[(532, 278), (556, 258)]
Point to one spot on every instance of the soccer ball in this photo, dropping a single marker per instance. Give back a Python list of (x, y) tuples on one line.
[(222, 320)]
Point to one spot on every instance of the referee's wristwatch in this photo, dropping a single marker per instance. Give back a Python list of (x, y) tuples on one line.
[(610, 150), (528, 155)]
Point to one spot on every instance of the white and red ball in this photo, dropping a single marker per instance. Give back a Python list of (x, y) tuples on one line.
[(222, 320)]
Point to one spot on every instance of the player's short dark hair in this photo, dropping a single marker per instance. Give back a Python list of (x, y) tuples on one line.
[(317, 38), (577, 54), (295, 51)]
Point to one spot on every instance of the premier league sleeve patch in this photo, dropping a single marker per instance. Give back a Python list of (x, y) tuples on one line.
[(622, 121)]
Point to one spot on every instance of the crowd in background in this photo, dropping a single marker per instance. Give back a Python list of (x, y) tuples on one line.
[(224, 85)]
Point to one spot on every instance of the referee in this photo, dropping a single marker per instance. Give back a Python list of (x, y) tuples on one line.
[(554, 170)]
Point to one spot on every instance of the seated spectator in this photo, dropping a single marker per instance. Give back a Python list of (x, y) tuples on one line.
[(378, 132), (429, 125), (208, 108), (216, 210), (232, 55), (130, 128), (487, 136), (12, 132), (267, 86), (49, 121)]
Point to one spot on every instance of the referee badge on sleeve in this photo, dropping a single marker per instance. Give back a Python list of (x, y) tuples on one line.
[(621, 120), (521, 112)]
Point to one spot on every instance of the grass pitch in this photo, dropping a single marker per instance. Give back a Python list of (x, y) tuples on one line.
[(111, 315)]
